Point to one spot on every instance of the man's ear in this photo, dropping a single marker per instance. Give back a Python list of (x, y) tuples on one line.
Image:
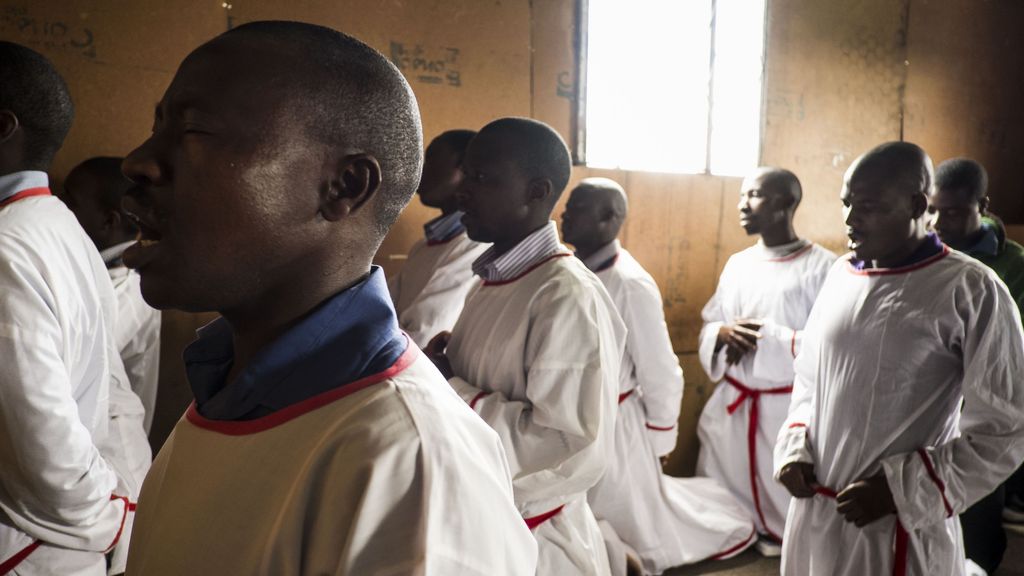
[(539, 189), (983, 205), (918, 205), (353, 181), (8, 125)]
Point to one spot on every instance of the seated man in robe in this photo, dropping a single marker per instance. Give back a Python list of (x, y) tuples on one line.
[(537, 349), (876, 451), (663, 521), (431, 288), (959, 209), (321, 440), (752, 331), (63, 498), (93, 190)]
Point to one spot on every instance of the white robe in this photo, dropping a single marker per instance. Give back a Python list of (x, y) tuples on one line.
[(56, 351), (666, 521), (138, 338), (888, 357), (757, 282), (538, 358), (391, 474), (432, 286)]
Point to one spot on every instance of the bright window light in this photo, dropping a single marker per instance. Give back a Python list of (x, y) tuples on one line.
[(659, 99)]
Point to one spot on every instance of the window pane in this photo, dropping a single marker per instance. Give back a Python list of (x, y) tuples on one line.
[(647, 84), (736, 96)]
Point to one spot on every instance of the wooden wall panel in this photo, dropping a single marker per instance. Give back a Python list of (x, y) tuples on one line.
[(965, 88)]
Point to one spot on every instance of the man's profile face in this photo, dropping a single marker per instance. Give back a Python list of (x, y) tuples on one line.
[(581, 220), (758, 205), (229, 186), (442, 174), (955, 216), (493, 192), (879, 214)]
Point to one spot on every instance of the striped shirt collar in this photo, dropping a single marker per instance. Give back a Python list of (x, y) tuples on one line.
[(604, 255), (11, 184), (444, 228), (542, 243)]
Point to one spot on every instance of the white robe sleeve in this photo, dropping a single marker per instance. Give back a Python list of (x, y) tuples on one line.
[(557, 440), (792, 444), (934, 483), (55, 485), (656, 364), (776, 350), (714, 317), (437, 307)]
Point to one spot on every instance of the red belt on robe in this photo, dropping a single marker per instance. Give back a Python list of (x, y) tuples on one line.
[(534, 521), (900, 539), (754, 396), (624, 395)]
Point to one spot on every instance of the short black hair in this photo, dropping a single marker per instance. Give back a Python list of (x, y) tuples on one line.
[(787, 180), (350, 94), (455, 140), (963, 174), (905, 161), (113, 185), (31, 88), (538, 149)]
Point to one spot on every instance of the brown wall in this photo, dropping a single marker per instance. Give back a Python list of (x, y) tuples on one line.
[(841, 77)]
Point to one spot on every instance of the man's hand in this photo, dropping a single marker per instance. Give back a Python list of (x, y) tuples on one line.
[(435, 350), (740, 338), (798, 478), (866, 500)]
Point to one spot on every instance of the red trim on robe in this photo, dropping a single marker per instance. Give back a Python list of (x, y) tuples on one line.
[(627, 394), (901, 538), (18, 558), (27, 193), (608, 264), (243, 427), (527, 271), (792, 344), (660, 428), (128, 507), (727, 553), (797, 425), (901, 270), (477, 398), (935, 478), (534, 521), (792, 256), (754, 396)]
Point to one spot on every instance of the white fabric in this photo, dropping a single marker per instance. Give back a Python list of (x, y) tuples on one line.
[(538, 358), (56, 314), (887, 360), (778, 286), (138, 338), (398, 477), (667, 521), (431, 288)]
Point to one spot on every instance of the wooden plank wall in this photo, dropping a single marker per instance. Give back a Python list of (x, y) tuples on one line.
[(841, 76)]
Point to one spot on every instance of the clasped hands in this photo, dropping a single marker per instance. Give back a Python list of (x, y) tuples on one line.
[(739, 338), (435, 350), (860, 503)]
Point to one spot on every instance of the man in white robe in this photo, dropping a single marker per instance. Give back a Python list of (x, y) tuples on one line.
[(432, 286), (876, 451), (751, 334), (665, 521), (61, 503), (321, 440), (93, 191), (537, 349)]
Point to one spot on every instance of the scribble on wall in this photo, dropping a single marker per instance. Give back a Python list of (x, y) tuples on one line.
[(428, 65), (48, 34)]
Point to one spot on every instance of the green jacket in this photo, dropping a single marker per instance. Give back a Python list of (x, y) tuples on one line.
[(1004, 256)]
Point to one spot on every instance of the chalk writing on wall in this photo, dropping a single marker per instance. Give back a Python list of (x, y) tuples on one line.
[(18, 25), (429, 65)]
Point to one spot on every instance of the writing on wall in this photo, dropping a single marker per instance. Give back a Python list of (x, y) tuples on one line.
[(428, 65), (46, 34)]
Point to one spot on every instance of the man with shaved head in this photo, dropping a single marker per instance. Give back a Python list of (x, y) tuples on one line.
[(875, 450), (537, 349), (431, 288), (752, 332), (663, 521), (320, 441)]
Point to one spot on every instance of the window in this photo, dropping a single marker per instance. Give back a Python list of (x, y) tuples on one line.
[(672, 85)]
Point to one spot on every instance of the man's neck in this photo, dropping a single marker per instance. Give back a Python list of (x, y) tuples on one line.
[(779, 236), (585, 250), (503, 246), (903, 254)]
